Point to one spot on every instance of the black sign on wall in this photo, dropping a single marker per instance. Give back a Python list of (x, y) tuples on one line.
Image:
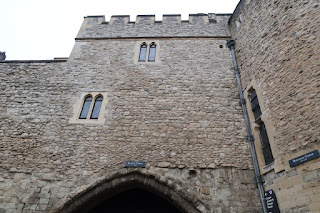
[(271, 202), (304, 158), (135, 164)]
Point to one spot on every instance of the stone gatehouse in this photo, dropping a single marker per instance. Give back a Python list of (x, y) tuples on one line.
[(163, 95)]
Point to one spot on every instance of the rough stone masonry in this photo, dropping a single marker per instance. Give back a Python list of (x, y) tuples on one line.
[(179, 113), (277, 45)]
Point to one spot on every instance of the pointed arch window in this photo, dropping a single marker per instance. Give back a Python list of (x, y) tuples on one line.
[(85, 108), (96, 108), (152, 52), (90, 108), (148, 51), (143, 52)]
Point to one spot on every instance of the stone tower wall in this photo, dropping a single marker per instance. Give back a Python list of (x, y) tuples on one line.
[(277, 47), (179, 114)]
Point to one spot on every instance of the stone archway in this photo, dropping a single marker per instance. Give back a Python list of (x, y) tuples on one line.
[(118, 188)]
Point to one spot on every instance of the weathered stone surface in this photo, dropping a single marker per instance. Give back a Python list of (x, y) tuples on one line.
[(163, 164), (277, 47), (311, 176), (206, 190), (282, 58), (177, 114), (180, 114)]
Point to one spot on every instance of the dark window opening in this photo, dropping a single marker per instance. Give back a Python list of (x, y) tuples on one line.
[(152, 52), (266, 149), (255, 104), (85, 108), (143, 52), (96, 108)]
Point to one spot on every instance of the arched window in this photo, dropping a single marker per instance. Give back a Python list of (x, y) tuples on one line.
[(85, 107), (96, 108), (152, 52), (149, 51), (90, 108), (266, 149), (143, 52)]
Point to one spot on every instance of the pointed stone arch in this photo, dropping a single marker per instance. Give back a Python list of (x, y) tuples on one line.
[(125, 179)]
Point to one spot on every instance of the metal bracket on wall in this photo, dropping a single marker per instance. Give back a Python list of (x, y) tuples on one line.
[(250, 138), (236, 72), (242, 101), (258, 179)]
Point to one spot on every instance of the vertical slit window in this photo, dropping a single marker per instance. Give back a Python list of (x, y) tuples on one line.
[(143, 52), (152, 52), (267, 153), (255, 104), (96, 108), (85, 108)]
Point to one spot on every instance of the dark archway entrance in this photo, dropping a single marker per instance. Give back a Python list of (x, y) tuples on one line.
[(131, 192), (135, 201)]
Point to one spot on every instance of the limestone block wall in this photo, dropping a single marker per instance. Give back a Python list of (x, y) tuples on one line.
[(178, 114), (277, 47)]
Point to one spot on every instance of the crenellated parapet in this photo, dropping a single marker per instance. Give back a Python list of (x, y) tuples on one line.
[(120, 26)]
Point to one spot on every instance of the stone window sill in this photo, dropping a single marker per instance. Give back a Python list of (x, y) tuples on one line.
[(268, 168)]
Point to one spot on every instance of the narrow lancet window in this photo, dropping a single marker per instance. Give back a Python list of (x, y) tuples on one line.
[(266, 149), (255, 104), (85, 108), (96, 108), (152, 52), (265, 144), (143, 52)]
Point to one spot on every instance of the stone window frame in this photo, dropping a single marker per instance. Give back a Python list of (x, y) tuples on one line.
[(152, 45), (77, 108), (239, 21), (96, 108), (143, 46), (255, 127), (148, 43)]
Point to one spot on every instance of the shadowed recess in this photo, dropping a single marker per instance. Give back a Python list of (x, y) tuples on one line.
[(135, 201)]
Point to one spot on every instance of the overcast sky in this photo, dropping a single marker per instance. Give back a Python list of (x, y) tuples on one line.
[(44, 29)]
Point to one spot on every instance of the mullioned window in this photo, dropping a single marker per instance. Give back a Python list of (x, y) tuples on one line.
[(148, 52), (90, 108)]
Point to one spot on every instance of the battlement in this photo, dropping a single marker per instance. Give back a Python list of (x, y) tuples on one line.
[(171, 25), (166, 19)]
